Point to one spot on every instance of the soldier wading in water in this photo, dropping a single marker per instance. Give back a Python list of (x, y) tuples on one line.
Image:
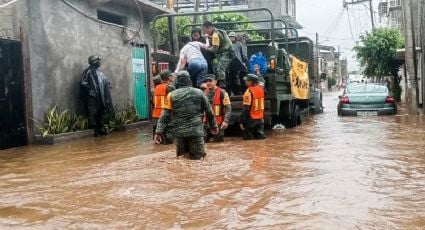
[(187, 105)]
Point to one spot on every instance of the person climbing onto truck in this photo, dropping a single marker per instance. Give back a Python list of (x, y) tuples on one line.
[(197, 37), (252, 116), (237, 67), (221, 106), (222, 47), (191, 55), (159, 101)]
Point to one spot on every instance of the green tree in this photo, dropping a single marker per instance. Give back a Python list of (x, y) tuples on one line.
[(376, 54), (235, 17), (161, 29), (161, 26)]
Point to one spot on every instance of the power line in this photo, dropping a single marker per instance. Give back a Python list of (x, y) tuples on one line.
[(328, 37), (361, 2), (349, 23), (7, 4), (335, 24)]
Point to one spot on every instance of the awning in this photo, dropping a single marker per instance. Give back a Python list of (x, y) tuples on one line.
[(292, 22), (149, 9), (401, 53)]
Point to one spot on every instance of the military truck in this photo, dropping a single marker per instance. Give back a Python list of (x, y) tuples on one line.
[(281, 104)]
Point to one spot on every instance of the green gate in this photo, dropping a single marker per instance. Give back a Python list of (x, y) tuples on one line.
[(141, 102)]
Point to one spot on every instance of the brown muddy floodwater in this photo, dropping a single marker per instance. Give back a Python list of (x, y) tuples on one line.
[(330, 173)]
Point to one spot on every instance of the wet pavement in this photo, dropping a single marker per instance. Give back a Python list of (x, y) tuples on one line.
[(330, 173)]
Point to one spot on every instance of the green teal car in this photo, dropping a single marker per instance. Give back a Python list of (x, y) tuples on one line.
[(366, 99)]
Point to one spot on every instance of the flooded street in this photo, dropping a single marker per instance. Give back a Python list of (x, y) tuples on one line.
[(330, 173)]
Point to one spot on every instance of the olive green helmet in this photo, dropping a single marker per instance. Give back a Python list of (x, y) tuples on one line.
[(94, 59), (183, 79), (252, 77)]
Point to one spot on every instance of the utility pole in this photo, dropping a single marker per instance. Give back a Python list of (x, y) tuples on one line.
[(371, 14), (345, 4), (339, 65)]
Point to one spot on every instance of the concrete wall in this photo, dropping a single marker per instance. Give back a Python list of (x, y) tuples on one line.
[(278, 8), (274, 5), (61, 39), (8, 24)]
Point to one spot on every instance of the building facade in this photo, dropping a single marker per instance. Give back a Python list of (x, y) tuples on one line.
[(390, 12), (407, 16), (55, 38)]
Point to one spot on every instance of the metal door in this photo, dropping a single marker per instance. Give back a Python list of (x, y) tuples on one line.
[(141, 102), (12, 118)]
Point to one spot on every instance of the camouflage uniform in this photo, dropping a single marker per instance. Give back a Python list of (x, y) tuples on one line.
[(227, 108), (223, 47), (187, 105)]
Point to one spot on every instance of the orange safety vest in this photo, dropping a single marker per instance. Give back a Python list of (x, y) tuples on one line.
[(217, 107), (257, 102), (159, 98)]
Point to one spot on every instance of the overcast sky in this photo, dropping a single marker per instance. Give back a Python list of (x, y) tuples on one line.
[(331, 21)]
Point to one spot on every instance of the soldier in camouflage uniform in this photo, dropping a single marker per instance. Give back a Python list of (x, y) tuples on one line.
[(222, 46), (222, 108), (187, 105)]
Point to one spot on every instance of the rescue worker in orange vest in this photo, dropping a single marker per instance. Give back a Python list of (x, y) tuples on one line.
[(252, 117), (159, 102), (220, 103)]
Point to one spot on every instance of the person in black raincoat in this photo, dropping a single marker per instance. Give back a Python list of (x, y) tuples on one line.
[(96, 96)]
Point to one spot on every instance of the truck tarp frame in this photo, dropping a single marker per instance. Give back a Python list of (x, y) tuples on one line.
[(286, 28), (169, 16), (279, 28)]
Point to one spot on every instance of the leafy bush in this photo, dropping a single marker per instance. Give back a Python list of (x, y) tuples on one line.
[(77, 123), (396, 91), (61, 122), (120, 118), (331, 82)]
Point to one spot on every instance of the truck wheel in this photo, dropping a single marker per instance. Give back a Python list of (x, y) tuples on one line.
[(295, 118)]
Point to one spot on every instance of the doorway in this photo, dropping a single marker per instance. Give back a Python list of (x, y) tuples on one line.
[(141, 101), (12, 113)]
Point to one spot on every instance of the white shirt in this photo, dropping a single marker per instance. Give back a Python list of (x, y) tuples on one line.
[(190, 51)]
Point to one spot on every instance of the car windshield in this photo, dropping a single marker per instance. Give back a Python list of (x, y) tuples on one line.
[(366, 88)]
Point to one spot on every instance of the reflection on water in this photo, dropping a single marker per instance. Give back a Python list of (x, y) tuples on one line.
[(332, 172)]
